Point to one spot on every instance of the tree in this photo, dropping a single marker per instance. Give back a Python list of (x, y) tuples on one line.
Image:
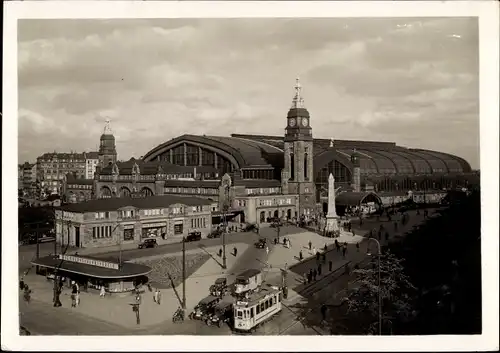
[(396, 292)]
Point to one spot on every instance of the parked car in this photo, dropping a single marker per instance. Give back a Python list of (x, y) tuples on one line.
[(215, 234), (261, 243), (148, 243), (223, 313), (193, 236), (219, 288), (250, 227), (204, 308)]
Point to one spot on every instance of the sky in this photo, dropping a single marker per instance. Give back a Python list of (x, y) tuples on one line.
[(413, 81)]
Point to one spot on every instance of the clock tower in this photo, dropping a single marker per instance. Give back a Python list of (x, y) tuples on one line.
[(298, 153)]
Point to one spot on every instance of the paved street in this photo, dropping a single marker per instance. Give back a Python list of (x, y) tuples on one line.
[(300, 309)]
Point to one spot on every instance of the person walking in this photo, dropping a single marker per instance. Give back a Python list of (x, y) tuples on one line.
[(337, 245), (310, 245), (158, 297), (301, 256), (315, 274), (220, 252), (323, 312), (344, 251), (267, 250), (317, 255), (309, 277), (102, 293), (325, 248), (27, 294), (330, 265), (73, 294), (323, 256), (235, 251), (319, 269), (357, 246), (21, 283), (155, 295)]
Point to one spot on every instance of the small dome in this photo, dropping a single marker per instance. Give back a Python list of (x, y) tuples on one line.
[(298, 112), (107, 137)]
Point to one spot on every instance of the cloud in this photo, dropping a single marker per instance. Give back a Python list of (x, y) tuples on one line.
[(392, 79)]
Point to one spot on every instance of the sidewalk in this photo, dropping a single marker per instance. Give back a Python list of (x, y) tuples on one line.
[(117, 309)]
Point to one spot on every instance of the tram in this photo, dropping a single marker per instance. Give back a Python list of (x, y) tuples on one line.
[(247, 282), (258, 308)]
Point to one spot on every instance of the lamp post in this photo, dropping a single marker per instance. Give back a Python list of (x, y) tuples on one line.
[(57, 301), (379, 286), (225, 208)]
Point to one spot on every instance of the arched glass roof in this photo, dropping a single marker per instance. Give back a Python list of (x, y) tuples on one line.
[(453, 165), (366, 164), (421, 165), (384, 163), (437, 164)]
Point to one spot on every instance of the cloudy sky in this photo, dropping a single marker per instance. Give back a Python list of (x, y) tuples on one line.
[(409, 81)]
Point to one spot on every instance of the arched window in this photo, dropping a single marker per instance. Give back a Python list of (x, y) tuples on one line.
[(106, 192), (146, 192), (305, 166)]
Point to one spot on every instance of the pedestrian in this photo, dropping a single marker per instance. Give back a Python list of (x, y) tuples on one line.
[(77, 294), (300, 255), (315, 274), (317, 255), (319, 270), (220, 252), (325, 248), (73, 294), (310, 245), (235, 251), (21, 283), (275, 241), (357, 246), (309, 278), (323, 312), (344, 250), (337, 245), (330, 265), (323, 257), (155, 295), (102, 294), (158, 297), (267, 250), (27, 294)]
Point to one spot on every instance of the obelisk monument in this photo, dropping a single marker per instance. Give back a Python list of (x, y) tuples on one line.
[(332, 224)]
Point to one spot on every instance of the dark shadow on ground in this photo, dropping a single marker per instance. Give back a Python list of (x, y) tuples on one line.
[(202, 247)]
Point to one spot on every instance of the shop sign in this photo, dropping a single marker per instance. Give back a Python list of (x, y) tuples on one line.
[(91, 262), (154, 225)]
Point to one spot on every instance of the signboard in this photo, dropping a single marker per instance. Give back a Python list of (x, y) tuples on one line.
[(91, 262), (154, 225)]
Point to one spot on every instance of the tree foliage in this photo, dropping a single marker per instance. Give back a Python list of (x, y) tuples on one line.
[(396, 292)]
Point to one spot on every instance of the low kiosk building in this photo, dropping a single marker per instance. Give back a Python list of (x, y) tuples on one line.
[(93, 273)]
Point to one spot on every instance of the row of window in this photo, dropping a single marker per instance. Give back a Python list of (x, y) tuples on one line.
[(154, 212), (179, 190), (79, 186), (271, 202), (241, 203), (198, 223), (263, 191), (101, 232), (101, 215), (258, 174)]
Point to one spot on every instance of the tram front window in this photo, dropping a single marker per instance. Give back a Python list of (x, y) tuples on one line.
[(242, 281), (239, 314)]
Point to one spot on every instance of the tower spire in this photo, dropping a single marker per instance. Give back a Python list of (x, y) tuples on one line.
[(107, 127), (298, 101)]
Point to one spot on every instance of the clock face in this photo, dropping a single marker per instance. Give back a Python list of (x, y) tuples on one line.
[(291, 122), (304, 122)]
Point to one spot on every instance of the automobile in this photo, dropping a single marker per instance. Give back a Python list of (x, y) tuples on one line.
[(250, 227), (219, 288), (148, 243), (193, 236), (261, 243), (277, 223), (215, 234), (204, 308), (223, 313)]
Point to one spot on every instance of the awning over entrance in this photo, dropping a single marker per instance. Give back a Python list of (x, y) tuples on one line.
[(356, 198), (85, 267)]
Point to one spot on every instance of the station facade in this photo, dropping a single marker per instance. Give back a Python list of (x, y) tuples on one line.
[(267, 171), (129, 220)]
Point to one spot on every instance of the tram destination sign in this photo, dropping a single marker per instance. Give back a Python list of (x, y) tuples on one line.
[(91, 262)]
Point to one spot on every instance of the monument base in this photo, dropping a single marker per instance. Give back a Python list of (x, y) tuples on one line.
[(332, 228)]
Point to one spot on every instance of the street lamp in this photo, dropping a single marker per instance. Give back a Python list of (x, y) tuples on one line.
[(227, 186), (379, 285)]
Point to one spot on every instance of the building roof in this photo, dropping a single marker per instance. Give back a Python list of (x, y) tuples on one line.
[(128, 269), (354, 198), (192, 183), (71, 179), (377, 157), (153, 167), (91, 155), (64, 155), (151, 202), (258, 183)]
